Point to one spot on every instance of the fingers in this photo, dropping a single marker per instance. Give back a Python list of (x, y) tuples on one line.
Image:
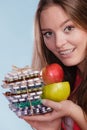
[(31, 123), (47, 125), (44, 117), (55, 105)]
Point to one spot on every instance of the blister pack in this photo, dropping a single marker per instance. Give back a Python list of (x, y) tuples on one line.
[(25, 89)]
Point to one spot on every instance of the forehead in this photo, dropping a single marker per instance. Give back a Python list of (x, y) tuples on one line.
[(53, 14)]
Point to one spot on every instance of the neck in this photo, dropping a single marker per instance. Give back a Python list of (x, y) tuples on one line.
[(81, 66)]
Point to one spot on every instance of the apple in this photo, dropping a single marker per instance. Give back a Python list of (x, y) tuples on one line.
[(52, 73), (56, 91)]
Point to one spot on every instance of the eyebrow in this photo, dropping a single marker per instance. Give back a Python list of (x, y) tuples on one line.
[(42, 30), (65, 22), (60, 25)]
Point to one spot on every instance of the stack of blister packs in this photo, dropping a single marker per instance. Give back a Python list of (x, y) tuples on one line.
[(25, 89)]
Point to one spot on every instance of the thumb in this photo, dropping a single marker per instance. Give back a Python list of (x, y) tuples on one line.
[(52, 104)]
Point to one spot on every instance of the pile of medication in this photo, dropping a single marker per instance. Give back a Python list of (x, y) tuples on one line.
[(25, 89)]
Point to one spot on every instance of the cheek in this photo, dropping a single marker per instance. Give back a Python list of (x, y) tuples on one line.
[(50, 45), (82, 39)]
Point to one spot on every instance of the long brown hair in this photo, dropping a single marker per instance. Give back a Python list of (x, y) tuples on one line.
[(77, 11)]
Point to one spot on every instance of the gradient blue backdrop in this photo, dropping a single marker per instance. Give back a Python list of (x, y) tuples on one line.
[(16, 42)]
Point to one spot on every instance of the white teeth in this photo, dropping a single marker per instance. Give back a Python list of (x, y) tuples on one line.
[(66, 52)]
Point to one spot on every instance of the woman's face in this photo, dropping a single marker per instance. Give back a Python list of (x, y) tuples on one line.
[(62, 37)]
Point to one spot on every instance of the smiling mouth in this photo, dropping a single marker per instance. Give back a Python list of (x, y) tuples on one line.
[(66, 52)]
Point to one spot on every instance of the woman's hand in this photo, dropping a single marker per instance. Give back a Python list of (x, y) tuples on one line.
[(43, 125), (52, 120), (65, 108)]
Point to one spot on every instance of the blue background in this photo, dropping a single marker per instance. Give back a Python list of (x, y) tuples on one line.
[(16, 45)]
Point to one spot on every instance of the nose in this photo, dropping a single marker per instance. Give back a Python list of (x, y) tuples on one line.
[(60, 40)]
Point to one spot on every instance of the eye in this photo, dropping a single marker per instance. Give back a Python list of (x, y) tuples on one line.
[(47, 34), (68, 29)]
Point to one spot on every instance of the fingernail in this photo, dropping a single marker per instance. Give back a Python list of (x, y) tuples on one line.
[(43, 101)]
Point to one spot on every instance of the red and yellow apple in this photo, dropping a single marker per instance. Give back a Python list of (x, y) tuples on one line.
[(54, 89), (52, 73)]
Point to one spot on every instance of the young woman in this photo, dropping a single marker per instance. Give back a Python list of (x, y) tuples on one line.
[(61, 37)]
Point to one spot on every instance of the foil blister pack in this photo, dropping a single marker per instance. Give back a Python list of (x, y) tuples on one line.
[(25, 89)]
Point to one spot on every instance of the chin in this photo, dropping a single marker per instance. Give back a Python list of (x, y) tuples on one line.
[(69, 63)]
